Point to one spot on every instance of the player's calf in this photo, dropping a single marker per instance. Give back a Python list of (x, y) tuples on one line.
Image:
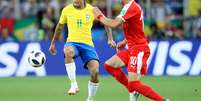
[(118, 74)]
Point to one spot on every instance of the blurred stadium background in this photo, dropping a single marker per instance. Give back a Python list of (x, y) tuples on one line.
[(173, 27)]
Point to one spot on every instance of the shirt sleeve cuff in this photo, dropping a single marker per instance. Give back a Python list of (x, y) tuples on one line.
[(121, 18)]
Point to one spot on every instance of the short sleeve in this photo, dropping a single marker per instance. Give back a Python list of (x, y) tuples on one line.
[(128, 11), (92, 10), (63, 17)]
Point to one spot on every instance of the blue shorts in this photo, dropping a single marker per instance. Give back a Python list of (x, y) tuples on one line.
[(86, 52)]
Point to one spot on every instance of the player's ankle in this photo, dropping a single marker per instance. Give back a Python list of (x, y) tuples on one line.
[(74, 84)]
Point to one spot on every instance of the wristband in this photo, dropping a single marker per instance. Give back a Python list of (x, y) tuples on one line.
[(100, 16)]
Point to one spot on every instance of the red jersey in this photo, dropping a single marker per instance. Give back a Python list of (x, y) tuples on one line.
[(133, 24)]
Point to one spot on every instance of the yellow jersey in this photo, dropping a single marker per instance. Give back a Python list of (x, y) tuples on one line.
[(79, 23)]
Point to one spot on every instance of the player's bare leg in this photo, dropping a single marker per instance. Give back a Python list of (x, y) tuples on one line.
[(71, 69), (113, 66), (93, 84)]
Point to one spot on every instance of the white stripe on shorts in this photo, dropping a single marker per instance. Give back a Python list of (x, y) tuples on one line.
[(139, 62)]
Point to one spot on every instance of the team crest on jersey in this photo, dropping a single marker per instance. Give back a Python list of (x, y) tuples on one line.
[(87, 16)]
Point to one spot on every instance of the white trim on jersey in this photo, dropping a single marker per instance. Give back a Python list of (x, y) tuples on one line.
[(119, 16), (142, 16), (124, 10), (139, 62)]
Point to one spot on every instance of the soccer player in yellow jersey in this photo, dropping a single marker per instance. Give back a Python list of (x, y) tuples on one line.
[(79, 17)]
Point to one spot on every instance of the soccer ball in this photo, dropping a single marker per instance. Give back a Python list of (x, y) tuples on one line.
[(36, 58)]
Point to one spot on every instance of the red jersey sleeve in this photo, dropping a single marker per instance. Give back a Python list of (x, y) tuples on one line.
[(128, 11)]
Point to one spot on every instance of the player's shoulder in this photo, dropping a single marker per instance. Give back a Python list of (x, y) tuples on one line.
[(68, 7), (131, 7), (89, 6)]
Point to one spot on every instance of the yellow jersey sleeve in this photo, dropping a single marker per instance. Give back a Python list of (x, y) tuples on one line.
[(63, 17)]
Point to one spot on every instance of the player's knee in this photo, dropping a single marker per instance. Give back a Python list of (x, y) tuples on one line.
[(94, 71), (112, 63), (69, 53), (93, 66)]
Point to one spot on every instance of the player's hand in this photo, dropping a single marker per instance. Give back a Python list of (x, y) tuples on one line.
[(112, 43), (52, 49), (121, 45), (97, 11)]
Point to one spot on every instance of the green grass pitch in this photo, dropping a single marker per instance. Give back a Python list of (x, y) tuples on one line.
[(54, 89)]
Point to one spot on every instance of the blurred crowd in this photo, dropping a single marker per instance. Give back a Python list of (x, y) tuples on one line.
[(35, 20)]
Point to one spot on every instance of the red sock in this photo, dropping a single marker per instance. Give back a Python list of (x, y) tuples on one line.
[(117, 74), (144, 90)]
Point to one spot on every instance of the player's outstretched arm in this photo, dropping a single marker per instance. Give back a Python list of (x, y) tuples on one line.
[(58, 30), (108, 30), (106, 21), (110, 40)]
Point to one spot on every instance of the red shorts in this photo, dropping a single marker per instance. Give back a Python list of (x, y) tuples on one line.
[(135, 59)]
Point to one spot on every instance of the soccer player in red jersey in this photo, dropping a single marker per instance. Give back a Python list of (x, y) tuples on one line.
[(135, 57)]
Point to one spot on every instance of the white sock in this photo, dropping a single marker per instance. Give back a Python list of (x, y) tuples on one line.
[(92, 88), (132, 96), (71, 71)]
